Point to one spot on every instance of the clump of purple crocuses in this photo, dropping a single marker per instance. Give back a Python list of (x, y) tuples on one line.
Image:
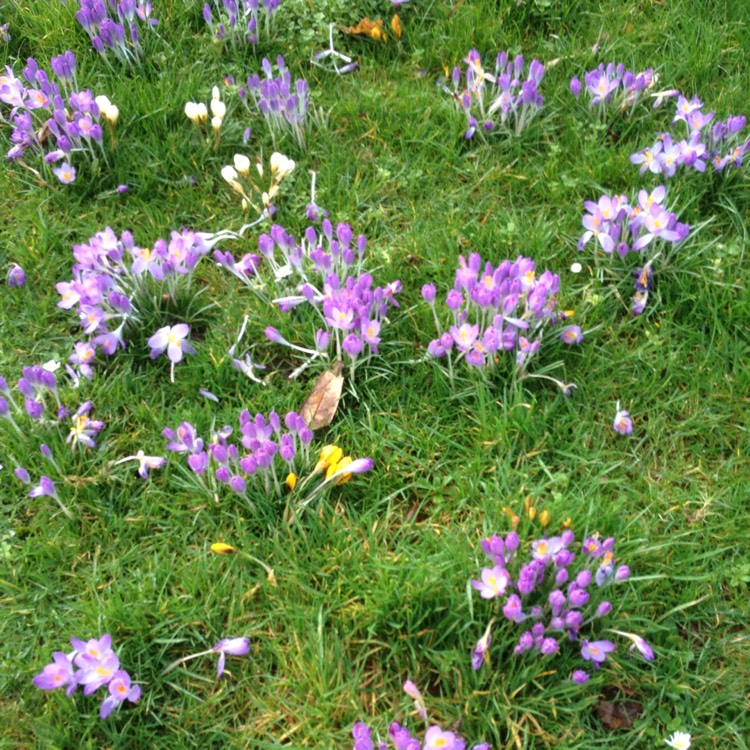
[(435, 738), (501, 101), (112, 276), (267, 457), (53, 119), (497, 309), (113, 27), (239, 21), (92, 664), (284, 107), (34, 386), (555, 594), (324, 270), (721, 145), (614, 85), (616, 225)]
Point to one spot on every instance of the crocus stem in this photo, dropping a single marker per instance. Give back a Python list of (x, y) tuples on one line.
[(184, 659)]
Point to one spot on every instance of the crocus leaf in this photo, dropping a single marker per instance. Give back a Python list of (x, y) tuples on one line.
[(320, 406)]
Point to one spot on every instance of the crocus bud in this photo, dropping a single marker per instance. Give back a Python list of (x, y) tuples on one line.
[(575, 87), (622, 573), (428, 293)]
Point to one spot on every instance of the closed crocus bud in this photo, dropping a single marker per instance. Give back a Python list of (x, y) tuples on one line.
[(622, 573), (202, 111), (428, 293), (215, 95), (216, 124), (291, 481), (111, 114), (223, 549), (242, 164), (603, 609), (575, 87)]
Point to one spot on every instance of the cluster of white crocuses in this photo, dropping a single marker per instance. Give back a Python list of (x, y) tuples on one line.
[(254, 193), (197, 112)]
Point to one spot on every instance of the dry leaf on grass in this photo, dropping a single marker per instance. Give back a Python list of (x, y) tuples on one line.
[(366, 27), (620, 715), (320, 406)]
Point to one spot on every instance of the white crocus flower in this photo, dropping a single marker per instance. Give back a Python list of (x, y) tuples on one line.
[(229, 173), (192, 111), (218, 108), (216, 124), (242, 164), (281, 166), (111, 114)]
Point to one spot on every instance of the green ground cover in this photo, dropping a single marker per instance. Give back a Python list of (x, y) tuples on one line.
[(371, 584)]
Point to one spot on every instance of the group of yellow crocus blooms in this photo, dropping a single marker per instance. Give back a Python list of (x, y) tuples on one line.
[(331, 460)]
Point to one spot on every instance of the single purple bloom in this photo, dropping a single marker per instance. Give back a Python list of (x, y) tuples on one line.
[(16, 276), (65, 173), (571, 335), (57, 674), (233, 646), (596, 651), (580, 677), (121, 189), (120, 690), (622, 424)]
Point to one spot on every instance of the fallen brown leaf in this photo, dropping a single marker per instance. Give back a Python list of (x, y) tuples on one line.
[(320, 406), (619, 715), (366, 27)]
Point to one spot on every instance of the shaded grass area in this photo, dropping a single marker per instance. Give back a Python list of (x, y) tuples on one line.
[(372, 585)]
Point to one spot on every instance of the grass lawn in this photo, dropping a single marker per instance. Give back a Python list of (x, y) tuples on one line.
[(371, 583)]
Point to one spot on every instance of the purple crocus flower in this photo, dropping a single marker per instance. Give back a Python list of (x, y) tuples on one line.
[(57, 674), (120, 690), (362, 737), (622, 424), (171, 339), (571, 335), (494, 582), (596, 651), (16, 276), (580, 677), (65, 173), (233, 646)]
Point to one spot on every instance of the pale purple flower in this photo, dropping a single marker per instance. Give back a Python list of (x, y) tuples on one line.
[(481, 649), (580, 677), (413, 692), (65, 173), (571, 335), (233, 646), (622, 424), (57, 674), (144, 463), (494, 582), (596, 651), (173, 340), (120, 690), (16, 276)]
